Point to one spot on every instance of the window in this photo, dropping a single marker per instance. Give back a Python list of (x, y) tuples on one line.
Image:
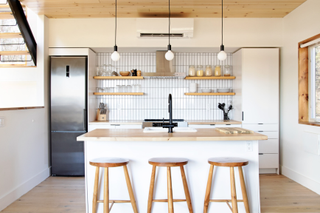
[(309, 81), (314, 82)]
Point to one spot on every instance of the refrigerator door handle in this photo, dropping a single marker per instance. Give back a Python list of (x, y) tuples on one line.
[(84, 119)]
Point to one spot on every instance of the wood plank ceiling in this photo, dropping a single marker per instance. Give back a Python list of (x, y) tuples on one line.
[(159, 8)]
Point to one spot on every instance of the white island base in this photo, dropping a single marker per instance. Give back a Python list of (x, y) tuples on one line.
[(197, 170)]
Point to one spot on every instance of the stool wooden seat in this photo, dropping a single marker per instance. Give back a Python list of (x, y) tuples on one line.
[(169, 162), (228, 162), (106, 163)]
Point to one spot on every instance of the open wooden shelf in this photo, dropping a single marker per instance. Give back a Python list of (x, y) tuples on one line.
[(118, 93), (211, 93), (118, 77), (211, 78), (14, 53)]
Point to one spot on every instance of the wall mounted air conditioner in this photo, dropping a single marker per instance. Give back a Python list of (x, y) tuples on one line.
[(158, 27)]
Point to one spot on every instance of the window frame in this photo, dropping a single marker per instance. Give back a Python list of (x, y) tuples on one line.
[(303, 83)]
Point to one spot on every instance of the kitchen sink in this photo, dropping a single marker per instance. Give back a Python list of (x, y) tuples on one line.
[(175, 129)]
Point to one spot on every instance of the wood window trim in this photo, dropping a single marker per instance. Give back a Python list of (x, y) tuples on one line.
[(304, 83)]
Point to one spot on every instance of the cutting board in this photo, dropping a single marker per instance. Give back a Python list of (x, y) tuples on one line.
[(234, 130)]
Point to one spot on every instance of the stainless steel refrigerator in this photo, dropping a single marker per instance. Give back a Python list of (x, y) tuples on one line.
[(68, 114)]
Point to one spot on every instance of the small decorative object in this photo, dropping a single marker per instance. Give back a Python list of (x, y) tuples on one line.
[(139, 73), (192, 71), (124, 73), (114, 73), (208, 70), (200, 71), (217, 71), (225, 111), (134, 72)]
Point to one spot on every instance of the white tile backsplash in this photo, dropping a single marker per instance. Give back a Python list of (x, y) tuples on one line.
[(154, 103)]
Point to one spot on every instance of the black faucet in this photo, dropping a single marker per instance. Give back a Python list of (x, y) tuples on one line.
[(170, 126)]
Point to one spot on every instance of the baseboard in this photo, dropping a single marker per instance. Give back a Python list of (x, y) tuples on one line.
[(23, 188), (301, 179)]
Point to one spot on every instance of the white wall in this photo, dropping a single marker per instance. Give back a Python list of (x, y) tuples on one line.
[(24, 158), (99, 32), (297, 163)]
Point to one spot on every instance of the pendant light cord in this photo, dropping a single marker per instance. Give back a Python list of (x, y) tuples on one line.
[(169, 22), (222, 22), (115, 25)]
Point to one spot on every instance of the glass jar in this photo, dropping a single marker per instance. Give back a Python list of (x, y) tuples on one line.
[(192, 71), (227, 70), (200, 71), (208, 70), (217, 71)]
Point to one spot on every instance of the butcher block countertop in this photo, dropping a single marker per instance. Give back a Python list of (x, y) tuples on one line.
[(139, 135), (195, 122)]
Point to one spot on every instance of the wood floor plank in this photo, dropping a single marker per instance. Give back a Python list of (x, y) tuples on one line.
[(279, 194)]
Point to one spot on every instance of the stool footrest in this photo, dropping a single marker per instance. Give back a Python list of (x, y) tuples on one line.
[(115, 201), (224, 201), (166, 200)]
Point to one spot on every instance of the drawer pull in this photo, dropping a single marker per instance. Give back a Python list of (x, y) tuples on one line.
[(228, 124), (260, 131), (115, 124), (212, 124), (260, 153), (260, 123)]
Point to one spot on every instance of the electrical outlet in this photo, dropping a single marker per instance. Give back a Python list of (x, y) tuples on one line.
[(249, 147), (2, 121)]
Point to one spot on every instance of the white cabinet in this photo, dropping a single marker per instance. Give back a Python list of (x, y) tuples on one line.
[(256, 102), (208, 126), (114, 126)]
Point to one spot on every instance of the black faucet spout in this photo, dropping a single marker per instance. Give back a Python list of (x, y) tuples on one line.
[(170, 126)]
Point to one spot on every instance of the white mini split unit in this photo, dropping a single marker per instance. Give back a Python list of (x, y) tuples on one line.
[(158, 28)]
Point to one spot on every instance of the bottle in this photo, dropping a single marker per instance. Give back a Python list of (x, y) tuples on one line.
[(200, 71), (227, 70), (208, 70), (192, 71), (217, 71)]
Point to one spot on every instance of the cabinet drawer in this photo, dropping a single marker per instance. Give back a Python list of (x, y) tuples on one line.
[(263, 127), (271, 135), (267, 161), (269, 146), (100, 126), (209, 126)]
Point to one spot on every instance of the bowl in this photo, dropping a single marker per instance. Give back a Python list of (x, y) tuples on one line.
[(124, 73), (206, 90), (223, 90)]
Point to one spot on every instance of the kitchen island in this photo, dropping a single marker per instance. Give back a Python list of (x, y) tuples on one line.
[(198, 146)]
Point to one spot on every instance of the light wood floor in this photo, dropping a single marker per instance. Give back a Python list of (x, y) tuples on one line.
[(60, 194)]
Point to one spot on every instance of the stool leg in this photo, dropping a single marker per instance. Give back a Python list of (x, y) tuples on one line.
[(244, 191), (106, 191), (186, 190), (169, 190), (208, 190), (133, 201), (95, 191), (233, 191), (150, 199)]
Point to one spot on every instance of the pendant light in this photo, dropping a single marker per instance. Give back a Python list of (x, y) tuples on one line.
[(222, 55), (115, 56), (169, 55)]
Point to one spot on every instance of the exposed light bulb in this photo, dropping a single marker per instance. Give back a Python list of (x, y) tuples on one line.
[(115, 56), (222, 55), (169, 55)]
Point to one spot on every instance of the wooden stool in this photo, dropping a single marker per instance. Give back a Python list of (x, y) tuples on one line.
[(106, 163), (169, 162), (228, 162)]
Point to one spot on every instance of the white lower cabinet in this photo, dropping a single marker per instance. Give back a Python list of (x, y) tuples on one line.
[(268, 149), (114, 126), (208, 126)]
